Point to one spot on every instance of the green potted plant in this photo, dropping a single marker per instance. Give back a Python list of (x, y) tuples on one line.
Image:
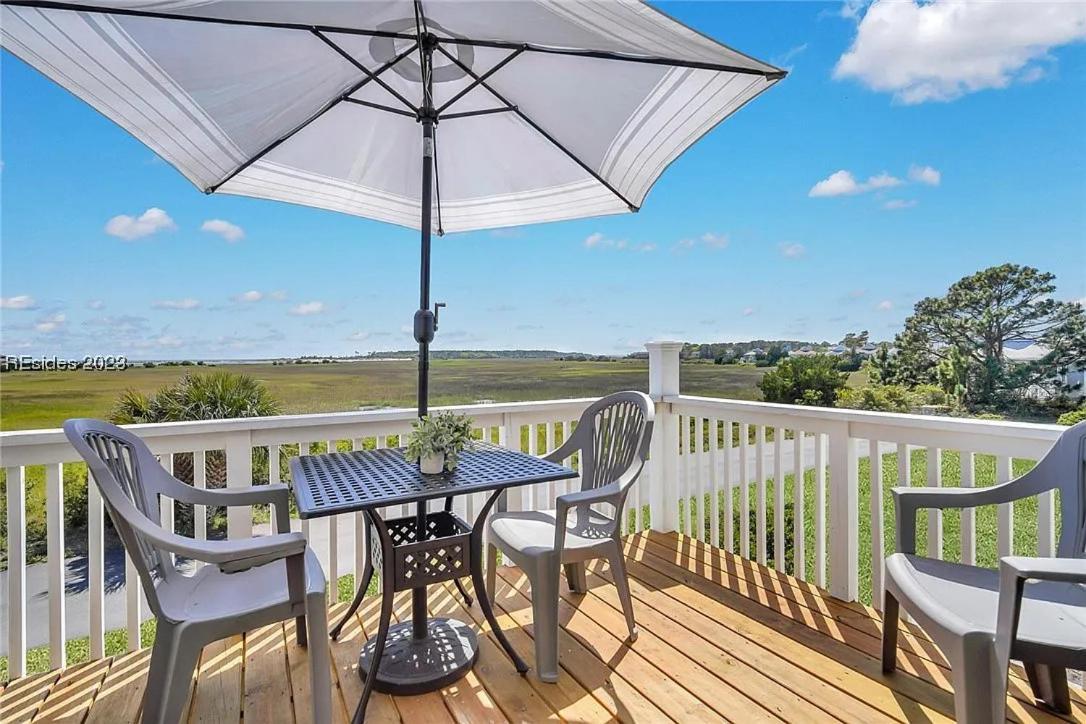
[(436, 441)]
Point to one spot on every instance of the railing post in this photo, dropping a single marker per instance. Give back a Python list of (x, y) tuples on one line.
[(844, 515), (239, 474), (16, 499), (664, 450)]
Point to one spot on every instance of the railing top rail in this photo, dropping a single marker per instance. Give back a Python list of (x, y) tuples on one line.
[(19, 438), (989, 428)]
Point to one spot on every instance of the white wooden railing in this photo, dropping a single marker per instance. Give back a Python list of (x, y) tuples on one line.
[(714, 463)]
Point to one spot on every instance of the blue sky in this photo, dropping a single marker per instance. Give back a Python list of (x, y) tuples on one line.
[(886, 166)]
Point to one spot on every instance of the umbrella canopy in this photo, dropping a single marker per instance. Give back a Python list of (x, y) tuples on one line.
[(546, 109)]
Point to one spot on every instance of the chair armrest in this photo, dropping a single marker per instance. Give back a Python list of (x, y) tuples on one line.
[(582, 499), (907, 501), (1014, 571), (275, 494), (567, 449)]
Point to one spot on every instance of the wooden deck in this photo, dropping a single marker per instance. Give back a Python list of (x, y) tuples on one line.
[(722, 639)]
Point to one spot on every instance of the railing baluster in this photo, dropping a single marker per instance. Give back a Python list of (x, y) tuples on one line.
[(16, 495), (699, 464), (132, 602), (844, 515), (552, 492), (729, 483), (799, 550), (303, 449), (759, 468), (744, 491), (904, 465), (968, 515), (166, 505), (878, 546), (239, 474), (820, 510), (1004, 511), (685, 484), (199, 479), (54, 526), (539, 491), (779, 554), (934, 457), (714, 481), (96, 569)]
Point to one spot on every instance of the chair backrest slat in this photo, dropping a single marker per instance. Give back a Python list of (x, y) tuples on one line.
[(130, 479), (614, 437)]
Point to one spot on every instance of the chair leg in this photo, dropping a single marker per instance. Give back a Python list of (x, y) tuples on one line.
[(300, 632), (1049, 684), (576, 577), (319, 660), (890, 622), (173, 660), (979, 696), (622, 583), (544, 581)]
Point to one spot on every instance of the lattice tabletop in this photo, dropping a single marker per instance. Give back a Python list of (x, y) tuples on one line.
[(344, 482)]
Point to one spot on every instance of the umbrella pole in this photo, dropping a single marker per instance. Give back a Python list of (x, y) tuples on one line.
[(425, 322)]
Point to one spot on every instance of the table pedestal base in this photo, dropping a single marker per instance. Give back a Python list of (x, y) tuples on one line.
[(415, 666)]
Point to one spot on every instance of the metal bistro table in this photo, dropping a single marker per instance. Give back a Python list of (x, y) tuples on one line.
[(428, 547)]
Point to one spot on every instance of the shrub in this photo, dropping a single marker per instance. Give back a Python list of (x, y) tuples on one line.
[(811, 380), (1073, 417)]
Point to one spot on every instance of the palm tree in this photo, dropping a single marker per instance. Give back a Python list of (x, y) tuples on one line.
[(210, 396)]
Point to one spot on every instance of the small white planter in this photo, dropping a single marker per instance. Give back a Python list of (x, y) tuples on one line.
[(432, 464)]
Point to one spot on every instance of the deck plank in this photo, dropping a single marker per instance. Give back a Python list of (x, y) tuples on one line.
[(120, 699), (217, 697), (70, 698), (267, 677), (23, 697)]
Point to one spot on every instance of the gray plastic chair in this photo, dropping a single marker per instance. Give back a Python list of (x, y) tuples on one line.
[(612, 440), (1031, 609), (250, 583)]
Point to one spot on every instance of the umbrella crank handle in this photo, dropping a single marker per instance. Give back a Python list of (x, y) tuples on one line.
[(437, 310)]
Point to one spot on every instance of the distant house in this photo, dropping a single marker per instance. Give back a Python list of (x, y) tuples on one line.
[(805, 351), (1074, 379), (868, 350), (753, 355)]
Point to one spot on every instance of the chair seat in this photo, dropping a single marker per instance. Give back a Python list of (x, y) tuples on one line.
[(531, 532), (965, 599), (212, 594)]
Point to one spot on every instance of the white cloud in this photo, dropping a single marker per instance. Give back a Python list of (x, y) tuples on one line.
[(749, 311), (278, 295), (715, 241), (593, 240), (784, 60), (250, 296), (231, 232), (358, 336), (944, 49), (95, 304), (52, 323), (925, 175), (885, 305), (792, 250), (187, 303), (306, 309), (149, 222), (857, 294), (685, 244), (899, 204), (645, 248), (20, 301), (843, 183)]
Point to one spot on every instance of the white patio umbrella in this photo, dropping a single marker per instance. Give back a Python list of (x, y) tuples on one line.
[(436, 115)]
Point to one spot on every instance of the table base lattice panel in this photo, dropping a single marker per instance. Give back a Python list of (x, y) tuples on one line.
[(365, 479), (443, 555)]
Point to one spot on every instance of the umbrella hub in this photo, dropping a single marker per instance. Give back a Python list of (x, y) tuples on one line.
[(384, 49)]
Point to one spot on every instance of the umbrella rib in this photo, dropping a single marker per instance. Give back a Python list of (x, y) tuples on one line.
[(437, 187), (158, 15), (369, 74), (775, 74), (539, 129), (320, 112), (378, 106), (482, 112), (480, 79)]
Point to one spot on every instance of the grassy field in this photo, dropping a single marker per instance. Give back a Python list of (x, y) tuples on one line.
[(30, 400)]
